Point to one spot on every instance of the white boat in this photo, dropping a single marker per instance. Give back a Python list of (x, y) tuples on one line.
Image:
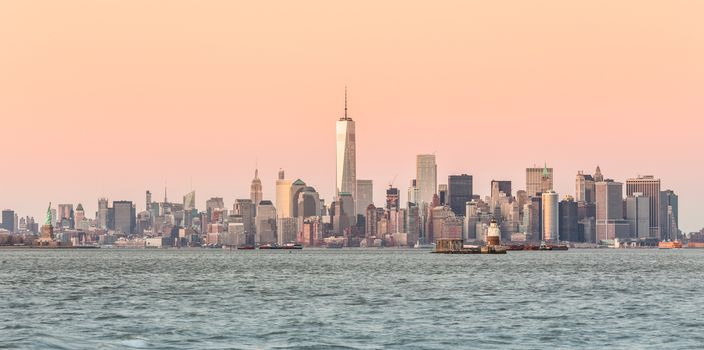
[(419, 245)]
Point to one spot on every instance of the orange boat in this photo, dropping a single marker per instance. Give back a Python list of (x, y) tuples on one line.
[(670, 245)]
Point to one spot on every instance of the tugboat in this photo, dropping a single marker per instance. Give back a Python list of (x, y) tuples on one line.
[(544, 246)]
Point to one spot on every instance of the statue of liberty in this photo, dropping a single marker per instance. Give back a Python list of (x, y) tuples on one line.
[(48, 215)]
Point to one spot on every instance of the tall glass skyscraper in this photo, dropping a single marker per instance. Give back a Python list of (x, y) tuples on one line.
[(346, 156), (426, 177)]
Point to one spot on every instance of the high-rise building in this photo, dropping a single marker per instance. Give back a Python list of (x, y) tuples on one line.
[(344, 217), (584, 188), (393, 199), (286, 230), (669, 215), (426, 177), (413, 192), (247, 210), (346, 156), (539, 180), (550, 216), (189, 201), (649, 186), (371, 218), (125, 216), (283, 196), (308, 203), (460, 191), (66, 216), (609, 211), (498, 186), (638, 215), (442, 194), (80, 218), (365, 195), (148, 201), (534, 217), (568, 222), (297, 187), (598, 177), (265, 223), (8, 220), (256, 189), (102, 214)]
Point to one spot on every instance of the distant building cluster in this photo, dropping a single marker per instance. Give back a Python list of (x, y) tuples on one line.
[(598, 213)]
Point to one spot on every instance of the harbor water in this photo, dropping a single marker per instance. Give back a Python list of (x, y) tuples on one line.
[(350, 299)]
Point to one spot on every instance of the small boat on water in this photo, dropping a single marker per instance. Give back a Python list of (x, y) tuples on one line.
[(544, 246), (420, 245), (670, 245)]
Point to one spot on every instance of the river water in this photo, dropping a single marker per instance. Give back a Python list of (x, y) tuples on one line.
[(350, 299)]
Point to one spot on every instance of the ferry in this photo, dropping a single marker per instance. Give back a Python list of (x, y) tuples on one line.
[(670, 245)]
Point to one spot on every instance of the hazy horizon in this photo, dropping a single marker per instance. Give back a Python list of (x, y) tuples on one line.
[(111, 99)]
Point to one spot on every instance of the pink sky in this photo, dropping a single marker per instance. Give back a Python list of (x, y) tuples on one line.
[(111, 98)]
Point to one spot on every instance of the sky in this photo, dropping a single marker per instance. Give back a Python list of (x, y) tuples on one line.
[(111, 98)]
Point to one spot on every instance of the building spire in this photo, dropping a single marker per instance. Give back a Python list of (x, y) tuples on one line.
[(346, 117)]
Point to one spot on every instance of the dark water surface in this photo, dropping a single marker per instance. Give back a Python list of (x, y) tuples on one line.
[(354, 299)]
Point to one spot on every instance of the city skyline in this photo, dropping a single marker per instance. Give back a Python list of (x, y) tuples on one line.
[(107, 113)]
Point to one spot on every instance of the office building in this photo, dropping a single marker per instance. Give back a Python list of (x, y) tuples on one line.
[(609, 212), (426, 177), (393, 199), (8, 220), (568, 222), (255, 189), (460, 191), (585, 188), (124, 217), (265, 223), (539, 180), (550, 216), (346, 156), (638, 215), (649, 186), (365, 195), (189, 201), (283, 196), (669, 215)]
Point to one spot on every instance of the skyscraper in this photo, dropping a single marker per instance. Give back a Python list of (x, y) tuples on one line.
[(125, 217), (460, 191), (283, 196), (102, 213), (393, 199), (413, 193), (584, 188), (638, 215), (265, 222), (8, 220), (539, 180), (568, 222), (256, 189), (346, 156), (365, 196), (426, 177), (669, 215), (649, 186), (550, 216), (189, 201), (247, 210), (609, 211)]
